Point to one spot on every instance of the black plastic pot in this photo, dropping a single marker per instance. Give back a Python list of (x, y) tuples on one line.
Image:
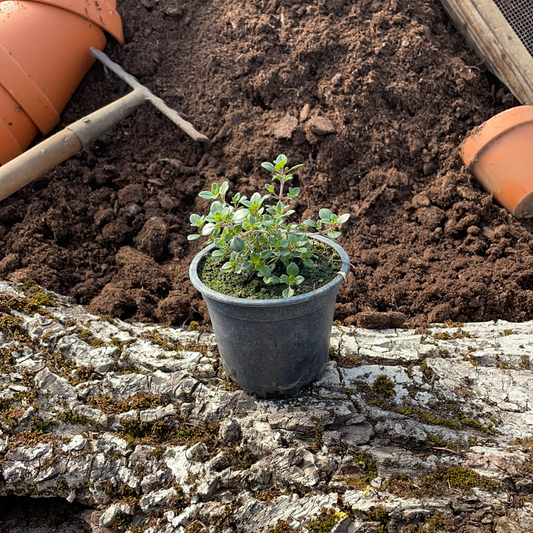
[(273, 347)]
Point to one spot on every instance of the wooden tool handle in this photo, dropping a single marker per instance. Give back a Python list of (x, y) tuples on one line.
[(35, 162)]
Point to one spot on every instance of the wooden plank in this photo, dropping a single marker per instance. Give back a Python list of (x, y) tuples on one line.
[(495, 42)]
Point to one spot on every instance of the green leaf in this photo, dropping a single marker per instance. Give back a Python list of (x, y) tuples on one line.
[(240, 215), (206, 195), (224, 188), (309, 263), (292, 269), (280, 162), (226, 267), (193, 236), (256, 199), (272, 280), (344, 218), (236, 244), (334, 234), (288, 292), (284, 278), (294, 167), (269, 187), (268, 166), (299, 280), (265, 271), (215, 189), (208, 228), (325, 214), (294, 191), (216, 207), (217, 254), (255, 258), (194, 219), (308, 222)]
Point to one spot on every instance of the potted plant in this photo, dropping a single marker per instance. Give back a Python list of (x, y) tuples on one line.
[(270, 284)]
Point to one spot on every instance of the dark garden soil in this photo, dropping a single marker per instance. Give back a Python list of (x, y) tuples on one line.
[(374, 97)]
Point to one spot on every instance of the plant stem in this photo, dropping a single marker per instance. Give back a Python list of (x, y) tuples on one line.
[(282, 183)]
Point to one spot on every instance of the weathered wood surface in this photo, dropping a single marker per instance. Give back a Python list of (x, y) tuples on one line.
[(407, 430), (490, 35)]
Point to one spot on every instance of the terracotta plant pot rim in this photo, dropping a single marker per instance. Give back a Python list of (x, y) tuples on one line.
[(492, 130), (99, 12)]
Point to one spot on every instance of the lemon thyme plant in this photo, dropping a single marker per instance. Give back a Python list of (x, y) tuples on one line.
[(255, 236)]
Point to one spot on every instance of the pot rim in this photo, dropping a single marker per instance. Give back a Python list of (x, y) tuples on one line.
[(273, 302), (100, 12), (492, 130)]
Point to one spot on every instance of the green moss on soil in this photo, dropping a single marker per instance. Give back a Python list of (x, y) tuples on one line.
[(82, 374), (121, 344), (141, 400), (175, 431), (434, 523), (325, 521), (427, 417), (438, 482), (11, 326), (377, 514), (155, 338), (87, 336), (436, 441), (446, 335), (7, 359), (31, 438), (58, 363), (367, 470), (346, 361), (35, 300), (72, 418), (384, 386), (283, 526)]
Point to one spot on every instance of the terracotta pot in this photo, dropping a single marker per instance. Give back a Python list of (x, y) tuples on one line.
[(44, 55), (499, 154)]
